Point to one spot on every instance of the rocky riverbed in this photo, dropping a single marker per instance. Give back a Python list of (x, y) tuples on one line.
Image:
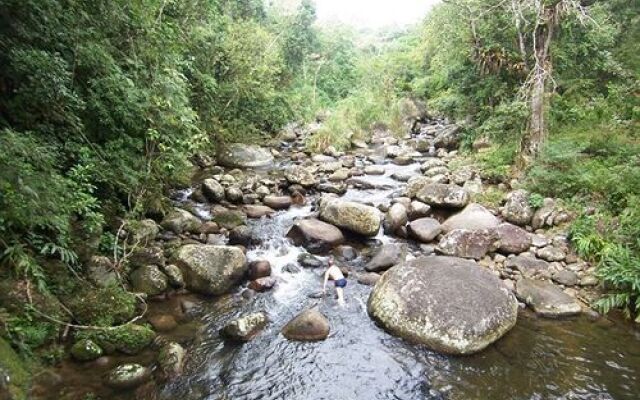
[(231, 278)]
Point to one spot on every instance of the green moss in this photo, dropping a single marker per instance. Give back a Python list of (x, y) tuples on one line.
[(102, 306), (230, 219), (491, 196), (12, 367), (128, 339)]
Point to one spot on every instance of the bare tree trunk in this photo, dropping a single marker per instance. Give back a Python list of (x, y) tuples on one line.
[(536, 135)]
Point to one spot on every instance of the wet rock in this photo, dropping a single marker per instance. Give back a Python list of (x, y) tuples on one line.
[(513, 239), (245, 328), (566, 277), (241, 155), (179, 221), (278, 202), (395, 218), (473, 217), (315, 235), (259, 269), (546, 299), (551, 253), (229, 219), (356, 217), (241, 235), (309, 261), (300, 175), (424, 229), (86, 350), (128, 376), (527, 264), (212, 190), (171, 360), (418, 209), (368, 279), (402, 176), (209, 227), (262, 284), (257, 211), (449, 304), (100, 271), (310, 325), (517, 209), (385, 257), (432, 163), (374, 170), (163, 322), (468, 244), (150, 280), (345, 253), (443, 195), (174, 275), (209, 269), (332, 188)]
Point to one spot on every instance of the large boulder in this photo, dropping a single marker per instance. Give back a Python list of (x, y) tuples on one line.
[(424, 229), (315, 235), (240, 155), (277, 202), (358, 218), (546, 299), (443, 195), (468, 244), (245, 328), (385, 257), (513, 239), (517, 209), (209, 269), (310, 325), (473, 217), (449, 304)]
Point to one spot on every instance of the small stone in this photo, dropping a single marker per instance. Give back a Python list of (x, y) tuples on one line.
[(245, 328), (163, 323), (262, 284), (128, 376), (259, 269), (86, 350)]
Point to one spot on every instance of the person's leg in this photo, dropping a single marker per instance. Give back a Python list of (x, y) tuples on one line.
[(340, 292)]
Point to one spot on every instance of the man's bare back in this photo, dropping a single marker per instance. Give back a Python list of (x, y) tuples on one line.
[(333, 273)]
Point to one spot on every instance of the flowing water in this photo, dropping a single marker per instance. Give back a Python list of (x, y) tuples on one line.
[(577, 358)]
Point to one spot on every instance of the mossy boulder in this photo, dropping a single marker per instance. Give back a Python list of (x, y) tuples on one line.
[(128, 339), (355, 217), (230, 219), (102, 306), (211, 270), (150, 280), (14, 378), (86, 350), (128, 376)]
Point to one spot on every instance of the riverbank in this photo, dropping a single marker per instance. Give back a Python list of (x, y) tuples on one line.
[(226, 252)]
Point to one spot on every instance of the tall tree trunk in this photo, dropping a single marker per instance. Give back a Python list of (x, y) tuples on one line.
[(536, 134)]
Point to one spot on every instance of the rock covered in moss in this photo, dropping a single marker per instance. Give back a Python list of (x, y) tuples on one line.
[(179, 221), (13, 373), (142, 232), (86, 350), (128, 376), (128, 339), (102, 306), (150, 280), (229, 219)]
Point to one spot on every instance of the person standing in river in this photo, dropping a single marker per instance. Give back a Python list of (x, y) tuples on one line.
[(333, 273)]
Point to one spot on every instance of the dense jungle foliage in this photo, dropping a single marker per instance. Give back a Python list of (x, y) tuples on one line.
[(103, 104)]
